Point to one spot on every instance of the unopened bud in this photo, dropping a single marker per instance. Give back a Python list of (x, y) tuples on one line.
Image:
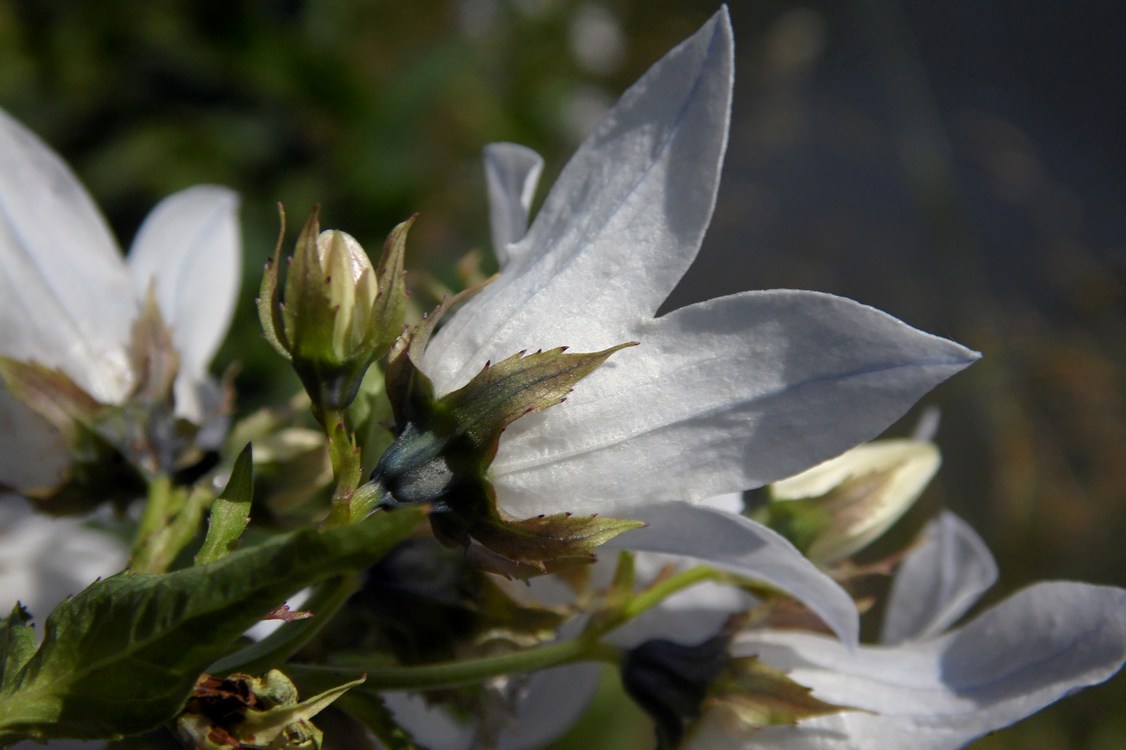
[(339, 313), (840, 506)]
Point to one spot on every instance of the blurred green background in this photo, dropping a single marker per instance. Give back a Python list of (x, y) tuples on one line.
[(958, 166)]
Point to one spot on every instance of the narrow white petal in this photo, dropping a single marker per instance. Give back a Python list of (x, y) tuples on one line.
[(33, 455), (725, 395), (43, 560), (189, 247), (512, 172), (1038, 646), (620, 227), (742, 546), (64, 293), (939, 581)]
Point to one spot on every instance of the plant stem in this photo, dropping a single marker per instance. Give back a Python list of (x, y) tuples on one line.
[(472, 671), (160, 506), (657, 593)]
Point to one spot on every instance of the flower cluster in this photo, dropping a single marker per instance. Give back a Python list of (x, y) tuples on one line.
[(548, 426)]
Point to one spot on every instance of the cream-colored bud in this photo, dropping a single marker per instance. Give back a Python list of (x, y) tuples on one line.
[(862, 492)]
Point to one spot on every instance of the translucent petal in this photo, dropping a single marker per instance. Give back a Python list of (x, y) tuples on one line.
[(64, 293), (939, 581), (511, 175), (620, 227), (721, 396)]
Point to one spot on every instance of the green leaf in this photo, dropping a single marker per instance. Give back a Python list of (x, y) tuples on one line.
[(230, 513), (17, 644), (123, 655)]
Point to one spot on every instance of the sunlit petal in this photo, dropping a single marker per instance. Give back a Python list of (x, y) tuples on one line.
[(65, 293), (757, 386), (620, 226)]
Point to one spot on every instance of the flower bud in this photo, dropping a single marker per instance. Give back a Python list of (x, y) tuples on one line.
[(841, 505), (339, 313)]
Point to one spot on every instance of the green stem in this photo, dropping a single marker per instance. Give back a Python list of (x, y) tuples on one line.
[(159, 508), (469, 672), (657, 593)]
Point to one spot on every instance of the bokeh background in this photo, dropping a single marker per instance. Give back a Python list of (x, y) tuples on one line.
[(958, 164)]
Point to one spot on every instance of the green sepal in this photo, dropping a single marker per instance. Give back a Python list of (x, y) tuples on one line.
[(155, 361), (123, 655), (390, 309), (531, 546), (802, 522), (309, 315), (52, 395), (268, 304), (522, 384), (409, 391), (230, 512), (759, 695), (444, 448)]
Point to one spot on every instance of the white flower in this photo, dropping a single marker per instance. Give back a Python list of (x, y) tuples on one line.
[(927, 689), (44, 560), (719, 396), (552, 700), (68, 298)]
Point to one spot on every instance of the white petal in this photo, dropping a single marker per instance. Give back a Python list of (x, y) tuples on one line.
[(432, 726), (740, 545), (553, 700), (43, 560), (620, 227), (939, 581), (33, 455), (721, 396), (512, 172), (1038, 646), (189, 246), (64, 293)]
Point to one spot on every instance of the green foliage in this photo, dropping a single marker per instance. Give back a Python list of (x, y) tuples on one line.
[(230, 513), (123, 655)]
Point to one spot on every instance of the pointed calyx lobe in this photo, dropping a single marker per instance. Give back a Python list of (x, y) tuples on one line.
[(676, 683), (445, 446)]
